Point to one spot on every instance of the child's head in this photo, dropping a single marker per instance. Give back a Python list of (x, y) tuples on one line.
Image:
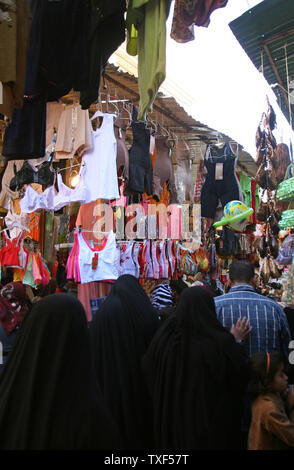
[(266, 374)]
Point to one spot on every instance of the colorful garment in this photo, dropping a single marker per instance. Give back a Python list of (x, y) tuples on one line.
[(146, 27), (188, 13)]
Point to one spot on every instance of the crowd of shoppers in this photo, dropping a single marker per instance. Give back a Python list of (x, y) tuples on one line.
[(186, 370)]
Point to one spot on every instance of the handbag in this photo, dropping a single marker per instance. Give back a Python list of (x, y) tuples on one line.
[(285, 191), (286, 252)]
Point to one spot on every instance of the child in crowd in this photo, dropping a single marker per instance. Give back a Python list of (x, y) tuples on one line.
[(272, 423)]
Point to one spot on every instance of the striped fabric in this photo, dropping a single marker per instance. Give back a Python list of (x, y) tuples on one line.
[(270, 326), (162, 296)]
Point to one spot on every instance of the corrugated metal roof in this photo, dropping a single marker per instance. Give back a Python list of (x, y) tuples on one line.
[(168, 113), (266, 33)]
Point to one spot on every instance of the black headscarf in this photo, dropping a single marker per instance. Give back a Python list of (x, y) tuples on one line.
[(49, 398), (121, 332), (194, 370)]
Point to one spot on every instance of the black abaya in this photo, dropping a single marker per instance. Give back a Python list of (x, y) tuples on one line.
[(49, 398), (194, 370), (121, 333)]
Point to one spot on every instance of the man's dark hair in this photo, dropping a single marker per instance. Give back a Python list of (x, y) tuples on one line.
[(241, 271)]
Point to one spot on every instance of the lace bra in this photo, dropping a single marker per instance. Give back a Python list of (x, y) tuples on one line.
[(50, 200), (33, 200), (67, 195), (27, 175)]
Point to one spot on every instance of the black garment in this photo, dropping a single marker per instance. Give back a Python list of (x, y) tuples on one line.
[(64, 54), (121, 332), (49, 398), (140, 165), (58, 50), (194, 370), (105, 34), (25, 135), (226, 189), (26, 175), (57, 61), (224, 243)]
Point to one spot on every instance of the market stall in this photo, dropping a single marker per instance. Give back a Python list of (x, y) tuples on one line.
[(95, 184)]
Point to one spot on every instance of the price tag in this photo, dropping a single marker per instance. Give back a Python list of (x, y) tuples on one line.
[(219, 170)]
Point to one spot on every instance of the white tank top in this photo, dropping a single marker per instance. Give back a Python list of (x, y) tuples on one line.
[(100, 163), (95, 264), (127, 264)]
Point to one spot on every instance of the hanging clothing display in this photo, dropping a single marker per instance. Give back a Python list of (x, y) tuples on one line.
[(53, 113), (25, 135), (122, 155), (188, 13), (27, 175), (57, 63), (140, 166), (21, 220), (6, 193), (127, 263), (163, 171), (184, 179), (221, 182), (100, 175), (95, 263), (148, 20), (74, 132), (9, 253), (33, 201), (106, 31), (68, 195)]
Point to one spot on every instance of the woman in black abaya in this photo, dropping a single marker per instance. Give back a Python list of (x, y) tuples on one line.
[(121, 332), (49, 397), (195, 373)]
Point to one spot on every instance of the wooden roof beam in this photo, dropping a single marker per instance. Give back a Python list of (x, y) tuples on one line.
[(280, 81), (279, 36)]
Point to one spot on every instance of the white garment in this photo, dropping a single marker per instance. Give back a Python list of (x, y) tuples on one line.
[(67, 195), (11, 217), (108, 260), (33, 201), (135, 256), (100, 163), (127, 264)]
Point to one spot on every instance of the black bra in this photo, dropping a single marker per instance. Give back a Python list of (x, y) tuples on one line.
[(26, 175)]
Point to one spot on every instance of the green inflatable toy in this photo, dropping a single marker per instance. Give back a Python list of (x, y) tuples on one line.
[(236, 216)]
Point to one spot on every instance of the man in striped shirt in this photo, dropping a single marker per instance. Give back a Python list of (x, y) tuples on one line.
[(270, 329)]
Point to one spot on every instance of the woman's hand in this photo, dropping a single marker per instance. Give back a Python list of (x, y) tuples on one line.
[(241, 330)]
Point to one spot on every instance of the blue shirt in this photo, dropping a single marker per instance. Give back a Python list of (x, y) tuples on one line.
[(270, 325)]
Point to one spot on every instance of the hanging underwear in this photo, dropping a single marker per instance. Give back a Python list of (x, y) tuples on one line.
[(184, 179), (27, 175), (122, 153), (163, 170), (67, 195), (33, 201), (221, 182), (140, 165)]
